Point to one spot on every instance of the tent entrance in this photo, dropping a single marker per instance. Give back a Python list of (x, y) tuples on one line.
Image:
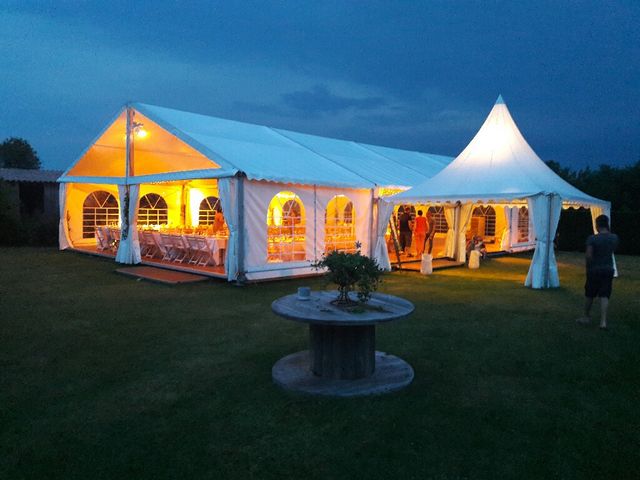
[(415, 242), (179, 224)]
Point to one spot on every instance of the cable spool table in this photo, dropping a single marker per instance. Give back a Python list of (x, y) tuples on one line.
[(342, 359)]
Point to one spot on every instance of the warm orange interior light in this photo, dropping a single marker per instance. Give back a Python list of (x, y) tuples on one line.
[(141, 133), (387, 192)]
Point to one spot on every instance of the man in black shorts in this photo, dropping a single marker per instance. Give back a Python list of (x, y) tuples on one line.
[(599, 256)]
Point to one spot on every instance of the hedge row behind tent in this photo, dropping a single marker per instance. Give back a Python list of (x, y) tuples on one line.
[(499, 167), (285, 197)]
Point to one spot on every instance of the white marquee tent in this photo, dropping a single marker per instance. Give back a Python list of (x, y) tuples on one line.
[(286, 196), (499, 166)]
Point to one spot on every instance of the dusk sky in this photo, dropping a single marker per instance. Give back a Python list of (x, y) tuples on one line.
[(412, 75)]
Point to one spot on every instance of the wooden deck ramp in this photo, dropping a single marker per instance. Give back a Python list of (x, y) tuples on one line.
[(161, 275)]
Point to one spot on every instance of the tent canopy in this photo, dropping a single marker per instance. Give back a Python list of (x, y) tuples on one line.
[(181, 145), (497, 165)]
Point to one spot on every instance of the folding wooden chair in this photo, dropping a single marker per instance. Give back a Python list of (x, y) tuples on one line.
[(101, 240), (194, 249), (148, 244), (165, 245), (180, 250)]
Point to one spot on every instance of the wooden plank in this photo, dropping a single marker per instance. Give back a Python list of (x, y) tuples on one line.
[(161, 275)]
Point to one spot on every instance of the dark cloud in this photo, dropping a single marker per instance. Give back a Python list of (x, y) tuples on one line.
[(320, 100)]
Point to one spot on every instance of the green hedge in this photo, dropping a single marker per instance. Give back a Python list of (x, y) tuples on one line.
[(34, 230), (575, 227)]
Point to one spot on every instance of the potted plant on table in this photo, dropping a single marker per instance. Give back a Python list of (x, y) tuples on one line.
[(350, 271)]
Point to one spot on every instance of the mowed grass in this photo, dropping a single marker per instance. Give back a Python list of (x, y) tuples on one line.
[(103, 376)]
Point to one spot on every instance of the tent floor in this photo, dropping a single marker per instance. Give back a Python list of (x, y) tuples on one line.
[(161, 275), (209, 271), (437, 264)]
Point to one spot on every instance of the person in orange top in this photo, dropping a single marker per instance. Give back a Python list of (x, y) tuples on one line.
[(420, 233)]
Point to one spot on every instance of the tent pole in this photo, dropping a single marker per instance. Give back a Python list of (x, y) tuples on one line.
[(548, 256), (396, 245), (456, 222), (128, 146), (315, 223), (372, 236), (127, 172), (241, 278)]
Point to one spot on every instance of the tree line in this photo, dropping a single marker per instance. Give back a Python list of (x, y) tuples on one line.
[(18, 153), (620, 186)]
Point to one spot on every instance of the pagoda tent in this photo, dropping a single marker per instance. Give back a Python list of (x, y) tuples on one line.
[(285, 197), (499, 167)]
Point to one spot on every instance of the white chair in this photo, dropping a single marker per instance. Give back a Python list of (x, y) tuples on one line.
[(101, 240), (180, 250), (165, 245), (200, 253), (148, 244)]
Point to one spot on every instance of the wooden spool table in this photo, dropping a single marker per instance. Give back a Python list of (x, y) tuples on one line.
[(342, 359)]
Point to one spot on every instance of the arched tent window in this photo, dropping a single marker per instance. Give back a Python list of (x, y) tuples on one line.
[(348, 213), (438, 219), (99, 208), (523, 225), (285, 229), (152, 210), (209, 208), (340, 231), (483, 221)]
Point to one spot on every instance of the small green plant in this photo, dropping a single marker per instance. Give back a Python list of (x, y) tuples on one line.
[(349, 270)]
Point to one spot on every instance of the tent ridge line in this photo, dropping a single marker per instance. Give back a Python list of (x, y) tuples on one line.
[(278, 132), (390, 159)]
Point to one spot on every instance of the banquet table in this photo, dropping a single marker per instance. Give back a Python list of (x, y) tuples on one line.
[(217, 245)]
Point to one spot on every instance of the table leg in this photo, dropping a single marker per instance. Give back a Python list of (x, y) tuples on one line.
[(342, 352)]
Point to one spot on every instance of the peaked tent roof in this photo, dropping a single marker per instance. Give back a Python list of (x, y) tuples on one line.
[(265, 153), (498, 164)]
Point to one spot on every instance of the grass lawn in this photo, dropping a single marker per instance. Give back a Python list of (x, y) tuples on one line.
[(103, 376)]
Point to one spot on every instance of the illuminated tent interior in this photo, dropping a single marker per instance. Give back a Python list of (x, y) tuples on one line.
[(229, 199), (498, 172)]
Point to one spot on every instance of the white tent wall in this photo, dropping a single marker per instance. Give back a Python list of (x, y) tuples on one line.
[(63, 226), (257, 198), (362, 205), (172, 195), (508, 231), (462, 225), (196, 191), (543, 271), (450, 239), (76, 194)]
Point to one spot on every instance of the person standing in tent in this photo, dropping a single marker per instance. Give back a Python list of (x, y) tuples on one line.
[(599, 260), (420, 233), (404, 222), (431, 232)]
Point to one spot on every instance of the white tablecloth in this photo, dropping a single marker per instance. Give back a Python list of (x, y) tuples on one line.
[(215, 244)]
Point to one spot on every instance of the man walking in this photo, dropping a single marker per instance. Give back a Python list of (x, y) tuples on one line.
[(599, 260), (405, 230)]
